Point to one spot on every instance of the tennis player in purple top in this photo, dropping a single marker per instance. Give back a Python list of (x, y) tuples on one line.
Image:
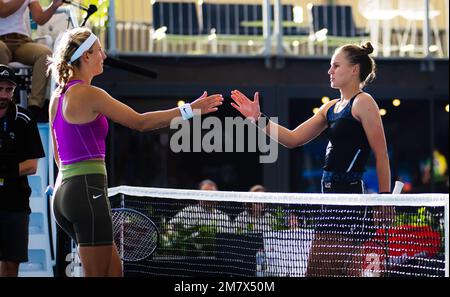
[(78, 118)]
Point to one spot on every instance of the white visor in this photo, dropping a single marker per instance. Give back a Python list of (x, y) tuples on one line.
[(86, 45)]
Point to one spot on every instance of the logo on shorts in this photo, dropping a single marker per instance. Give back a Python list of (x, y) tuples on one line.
[(96, 196)]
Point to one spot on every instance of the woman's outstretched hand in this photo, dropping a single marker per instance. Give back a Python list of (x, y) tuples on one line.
[(249, 109), (206, 104)]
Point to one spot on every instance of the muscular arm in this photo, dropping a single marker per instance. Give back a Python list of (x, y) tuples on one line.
[(125, 115), (304, 133), (7, 8), (301, 135), (41, 16), (28, 167), (366, 110), (98, 101)]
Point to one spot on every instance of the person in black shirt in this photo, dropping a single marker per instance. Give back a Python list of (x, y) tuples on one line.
[(353, 126), (20, 149)]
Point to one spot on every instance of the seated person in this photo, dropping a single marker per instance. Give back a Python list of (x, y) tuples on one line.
[(203, 214), (255, 218), (16, 45)]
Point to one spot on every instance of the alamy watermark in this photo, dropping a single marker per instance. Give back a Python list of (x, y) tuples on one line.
[(223, 139)]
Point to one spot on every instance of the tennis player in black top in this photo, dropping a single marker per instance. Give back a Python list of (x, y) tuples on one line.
[(353, 126)]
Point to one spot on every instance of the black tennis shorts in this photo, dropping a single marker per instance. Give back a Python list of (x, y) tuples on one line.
[(14, 236), (350, 221), (81, 208)]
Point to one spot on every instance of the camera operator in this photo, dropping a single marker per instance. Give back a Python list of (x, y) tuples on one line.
[(20, 149)]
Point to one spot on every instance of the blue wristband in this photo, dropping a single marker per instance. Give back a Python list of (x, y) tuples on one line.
[(186, 111)]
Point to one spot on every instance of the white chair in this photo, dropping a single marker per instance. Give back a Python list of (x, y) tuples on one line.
[(63, 19), (376, 11), (414, 11)]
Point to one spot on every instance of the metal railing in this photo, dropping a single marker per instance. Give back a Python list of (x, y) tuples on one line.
[(280, 28)]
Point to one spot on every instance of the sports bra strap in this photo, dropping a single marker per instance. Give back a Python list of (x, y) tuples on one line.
[(71, 84)]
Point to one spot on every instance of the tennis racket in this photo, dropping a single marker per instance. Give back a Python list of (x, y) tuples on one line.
[(135, 235)]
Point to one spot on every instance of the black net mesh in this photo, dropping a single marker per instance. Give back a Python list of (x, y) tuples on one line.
[(225, 237)]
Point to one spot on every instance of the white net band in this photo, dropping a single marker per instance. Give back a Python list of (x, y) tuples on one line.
[(287, 198)]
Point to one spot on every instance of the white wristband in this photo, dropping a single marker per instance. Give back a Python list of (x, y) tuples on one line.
[(186, 111)]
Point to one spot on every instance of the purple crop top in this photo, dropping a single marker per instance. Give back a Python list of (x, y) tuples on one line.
[(79, 142)]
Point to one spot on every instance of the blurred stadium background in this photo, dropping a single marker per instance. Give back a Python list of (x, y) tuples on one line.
[(281, 48)]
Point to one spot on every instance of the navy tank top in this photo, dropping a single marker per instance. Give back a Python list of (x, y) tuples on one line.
[(348, 148)]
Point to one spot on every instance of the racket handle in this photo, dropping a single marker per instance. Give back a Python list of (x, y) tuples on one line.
[(398, 187)]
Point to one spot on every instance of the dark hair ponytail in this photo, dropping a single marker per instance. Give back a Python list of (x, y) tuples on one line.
[(367, 48), (360, 55)]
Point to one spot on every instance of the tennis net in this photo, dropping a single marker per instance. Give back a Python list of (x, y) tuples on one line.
[(219, 233)]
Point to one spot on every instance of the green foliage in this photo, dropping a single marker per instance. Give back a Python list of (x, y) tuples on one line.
[(193, 241), (100, 17), (97, 22), (419, 219), (45, 3), (280, 220), (148, 210)]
